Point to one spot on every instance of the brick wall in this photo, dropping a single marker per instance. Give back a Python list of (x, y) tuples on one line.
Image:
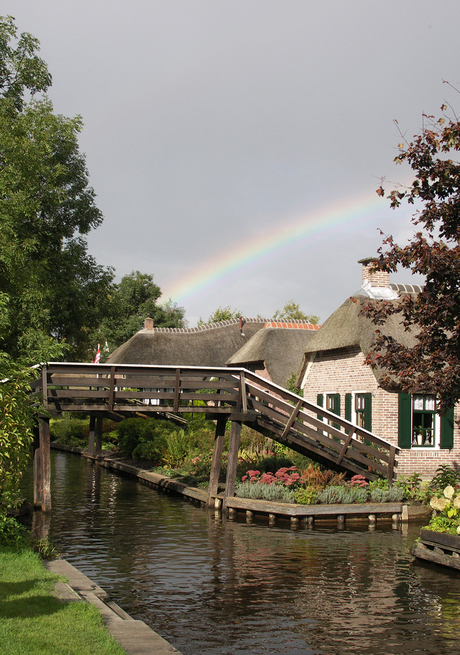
[(343, 371)]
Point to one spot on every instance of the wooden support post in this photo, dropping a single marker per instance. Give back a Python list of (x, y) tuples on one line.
[(391, 464), (177, 391), (216, 459), (232, 464), (99, 420), (91, 436), (42, 467)]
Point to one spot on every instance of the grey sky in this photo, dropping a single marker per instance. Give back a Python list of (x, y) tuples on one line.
[(210, 123)]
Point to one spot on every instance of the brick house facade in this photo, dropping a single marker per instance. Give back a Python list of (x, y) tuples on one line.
[(334, 375)]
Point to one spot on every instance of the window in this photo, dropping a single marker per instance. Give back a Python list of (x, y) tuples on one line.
[(358, 409), (420, 427), (423, 421), (333, 405)]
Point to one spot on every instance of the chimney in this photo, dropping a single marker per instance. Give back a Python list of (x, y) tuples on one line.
[(377, 278), (148, 323)]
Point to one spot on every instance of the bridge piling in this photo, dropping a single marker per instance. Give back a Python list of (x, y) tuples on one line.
[(216, 458), (232, 464)]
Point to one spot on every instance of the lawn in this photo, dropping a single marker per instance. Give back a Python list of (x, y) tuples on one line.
[(34, 622)]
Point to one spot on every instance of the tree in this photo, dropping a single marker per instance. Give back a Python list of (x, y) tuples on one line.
[(432, 365), (131, 301), (221, 314), (50, 283), (292, 312)]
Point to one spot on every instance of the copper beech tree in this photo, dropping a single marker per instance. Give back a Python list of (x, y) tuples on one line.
[(432, 365)]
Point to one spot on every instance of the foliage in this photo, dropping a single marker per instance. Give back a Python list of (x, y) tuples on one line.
[(291, 386), (16, 431), (270, 492), (447, 511), (445, 476), (392, 495), (342, 494), (139, 435), (12, 533), (315, 476), (47, 207), (20, 66), (292, 312), (221, 314), (306, 496), (133, 299), (45, 549), (432, 365)]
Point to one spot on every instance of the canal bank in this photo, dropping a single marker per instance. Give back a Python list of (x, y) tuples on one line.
[(217, 587), (297, 515), (133, 635)]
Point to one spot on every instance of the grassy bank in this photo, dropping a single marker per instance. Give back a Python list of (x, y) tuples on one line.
[(34, 622)]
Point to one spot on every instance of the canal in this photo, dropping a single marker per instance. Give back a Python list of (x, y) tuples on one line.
[(211, 586)]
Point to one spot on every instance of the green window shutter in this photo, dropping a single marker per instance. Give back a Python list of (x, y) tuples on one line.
[(368, 412), (404, 420), (337, 404), (320, 402), (336, 409), (447, 429), (348, 406)]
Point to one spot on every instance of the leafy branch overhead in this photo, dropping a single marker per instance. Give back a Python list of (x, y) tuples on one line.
[(432, 365)]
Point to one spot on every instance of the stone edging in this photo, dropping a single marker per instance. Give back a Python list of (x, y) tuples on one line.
[(133, 635)]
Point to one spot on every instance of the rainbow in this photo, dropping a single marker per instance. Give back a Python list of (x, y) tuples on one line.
[(284, 236)]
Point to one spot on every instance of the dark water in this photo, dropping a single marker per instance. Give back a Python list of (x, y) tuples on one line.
[(211, 586)]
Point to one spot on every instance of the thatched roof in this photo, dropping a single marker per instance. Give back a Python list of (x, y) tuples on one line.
[(208, 345), (279, 349), (347, 328)]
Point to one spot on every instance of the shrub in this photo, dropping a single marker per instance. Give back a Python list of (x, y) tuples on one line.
[(68, 430), (342, 494), (270, 492), (391, 495), (306, 496), (445, 476), (315, 476)]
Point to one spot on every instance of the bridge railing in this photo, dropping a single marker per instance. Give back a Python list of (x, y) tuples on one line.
[(235, 392)]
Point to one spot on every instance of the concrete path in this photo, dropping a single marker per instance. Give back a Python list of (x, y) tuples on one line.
[(134, 636)]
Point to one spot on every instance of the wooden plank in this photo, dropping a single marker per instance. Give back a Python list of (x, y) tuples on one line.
[(244, 399), (176, 391), (291, 420), (111, 388), (436, 556), (288, 509), (346, 443)]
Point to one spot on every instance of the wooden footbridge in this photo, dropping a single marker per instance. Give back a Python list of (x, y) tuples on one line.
[(226, 394)]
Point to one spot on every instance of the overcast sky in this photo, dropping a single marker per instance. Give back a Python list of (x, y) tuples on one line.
[(235, 146)]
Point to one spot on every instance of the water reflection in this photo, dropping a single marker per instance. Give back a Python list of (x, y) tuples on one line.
[(211, 586)]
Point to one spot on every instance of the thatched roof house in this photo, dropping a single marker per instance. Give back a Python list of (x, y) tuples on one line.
[(334, 374), (276, 351), (208, 345)]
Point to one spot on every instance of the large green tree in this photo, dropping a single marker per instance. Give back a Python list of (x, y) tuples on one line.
[(131, 301), (50, 283), (292, 312), (432, 365)]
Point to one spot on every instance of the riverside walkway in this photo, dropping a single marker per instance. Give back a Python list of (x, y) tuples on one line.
[(223, 394)]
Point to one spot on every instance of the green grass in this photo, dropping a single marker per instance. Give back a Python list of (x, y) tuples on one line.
[(34, 622)]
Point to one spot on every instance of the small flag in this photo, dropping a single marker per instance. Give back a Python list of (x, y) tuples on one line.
[(97, 359)]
